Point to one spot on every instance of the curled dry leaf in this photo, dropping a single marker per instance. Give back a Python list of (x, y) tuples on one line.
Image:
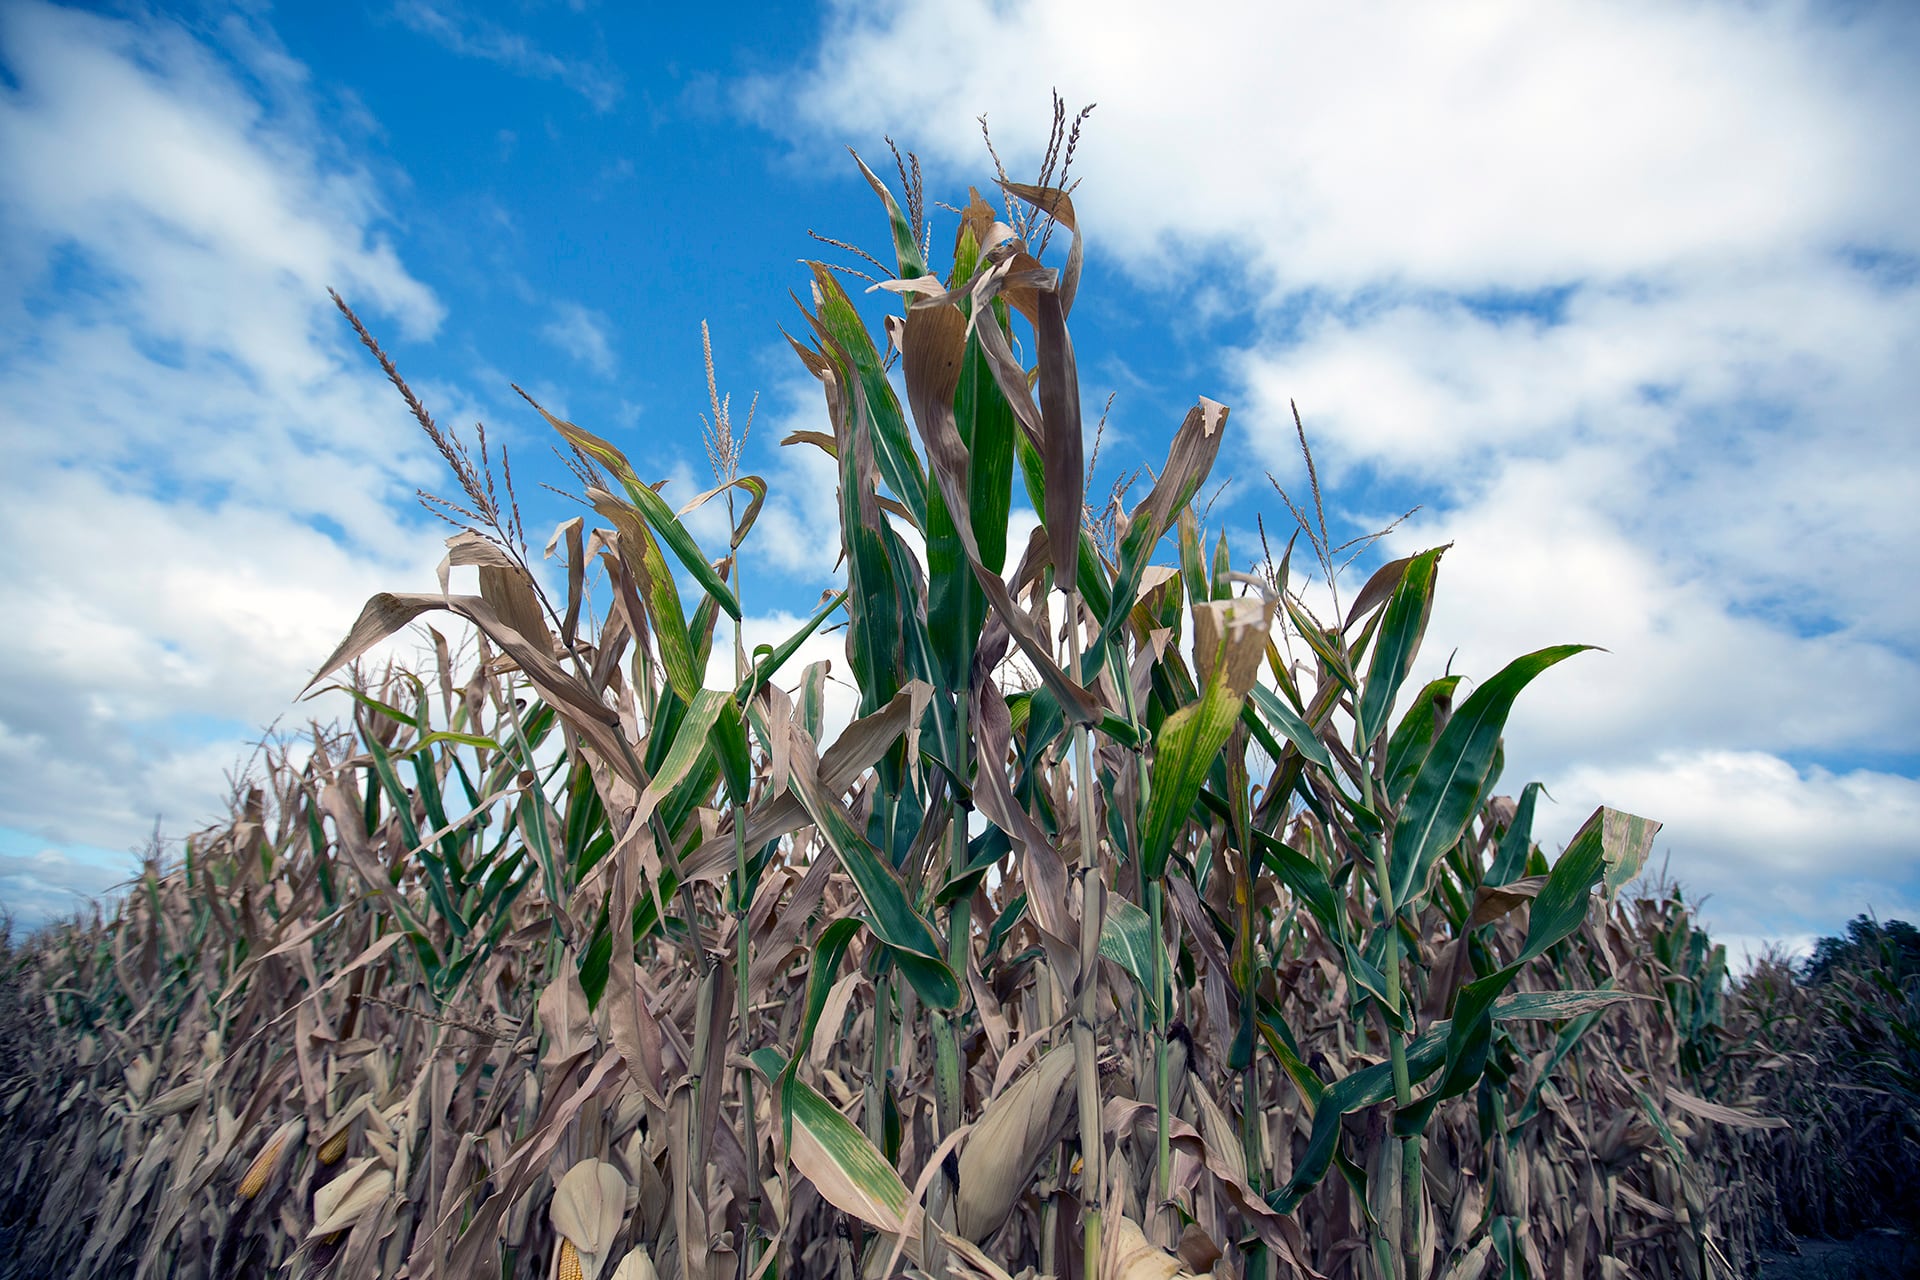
[(1230, 640), (1131, 1256)]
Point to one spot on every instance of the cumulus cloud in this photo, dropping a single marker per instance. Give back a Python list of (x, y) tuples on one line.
[(1625, 293), (203, 476), (1745, 826), (1458, 145)]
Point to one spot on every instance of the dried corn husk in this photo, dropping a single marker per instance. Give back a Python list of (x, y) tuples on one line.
[(1131, 1256), (637, 1265), (588, 1207), (1019, 1127), (362, 1184)]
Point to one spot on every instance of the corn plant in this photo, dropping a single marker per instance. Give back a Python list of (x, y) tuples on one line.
[(1141, 923)]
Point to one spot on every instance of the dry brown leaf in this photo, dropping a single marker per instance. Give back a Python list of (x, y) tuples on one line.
[(1131, 1256)]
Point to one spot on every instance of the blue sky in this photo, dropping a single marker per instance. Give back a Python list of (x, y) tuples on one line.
[(1627, 296)]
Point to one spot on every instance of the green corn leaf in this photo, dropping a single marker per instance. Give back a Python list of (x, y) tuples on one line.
[(905, 248), (1365, 1088), (1010, 915), (659, 593), (1606, 839), (1398, 641), (1447, 791), (987, 427), (1511, 858), (1135, 553), (1304, 878), (1673, 1144), (691, 743), (1323, 646), (728, 738), (768, 659), (1558, 910), (893, 449), (845, 1168), (822, 971), (895, 923), (1413, 737), (1289, 724), (1126, 938), (1184, 750), (1193, 558), (437, 889), (1222, 566), (439, 736), (374, 704), (1570, 1035), (1553, 1006), (956, 606)]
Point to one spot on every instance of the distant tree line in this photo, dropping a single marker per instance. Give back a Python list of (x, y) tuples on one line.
[(1892, 946)]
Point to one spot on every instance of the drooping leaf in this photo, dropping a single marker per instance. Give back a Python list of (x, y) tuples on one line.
[(915, 946), (1062, 450), (1126, 938), (848, 1171)]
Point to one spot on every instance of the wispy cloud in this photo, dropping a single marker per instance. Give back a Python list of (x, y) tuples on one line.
[(582, 334), (200, 476), (472, 37), (1626, 294)]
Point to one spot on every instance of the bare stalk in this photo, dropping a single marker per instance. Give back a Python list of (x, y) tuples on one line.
[(1086, 1050)]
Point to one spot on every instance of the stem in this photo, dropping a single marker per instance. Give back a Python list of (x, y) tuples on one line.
[(694, 1187), (1086, 1051), (949, 1077), (876, 1114), (743, 963), (1410, 1173), (749, 1257), (1163, 1165)]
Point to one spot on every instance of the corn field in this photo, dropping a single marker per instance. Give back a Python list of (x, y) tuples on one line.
[(1145, 921)]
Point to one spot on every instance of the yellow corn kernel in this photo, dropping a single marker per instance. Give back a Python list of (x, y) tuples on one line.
[(254, 1181), (569, 1261), (333, 1148)]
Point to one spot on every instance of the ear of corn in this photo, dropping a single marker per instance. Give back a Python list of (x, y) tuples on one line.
[(333, 1148), (267, 1163)]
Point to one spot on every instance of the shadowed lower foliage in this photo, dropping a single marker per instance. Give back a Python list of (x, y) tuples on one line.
[(1144, 922)]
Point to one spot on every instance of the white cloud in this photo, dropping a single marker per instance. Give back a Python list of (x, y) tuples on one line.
[(1626, 293), (1460, 144), (582, 334), (204, 476)]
